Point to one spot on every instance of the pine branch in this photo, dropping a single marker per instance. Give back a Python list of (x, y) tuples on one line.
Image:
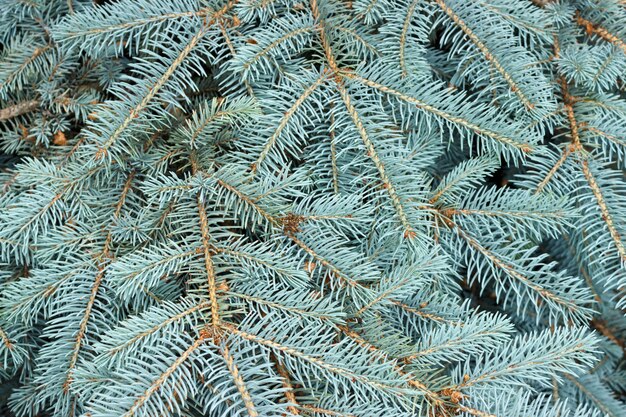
[(208, 264), (82, 330), (403, 35), (328, 51), (315, 361), (286, 117), (289, 395), (344, 277), (524, 147), (511, 271), (429, 316), (601, 32), (555, 168), (590, 394), (156, 385), (150, 94), (22, 68), (80, 337), (604, 209), (113, 347), (409, 232), (489, 56), (239, 382), (411, 381), (81, 33)]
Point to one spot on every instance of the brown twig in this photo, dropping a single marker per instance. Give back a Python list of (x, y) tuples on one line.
[(18, 109)]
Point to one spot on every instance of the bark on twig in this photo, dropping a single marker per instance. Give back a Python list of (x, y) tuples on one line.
[(18, 109)]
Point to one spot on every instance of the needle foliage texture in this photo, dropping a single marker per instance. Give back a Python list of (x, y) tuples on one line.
[(323, 208)]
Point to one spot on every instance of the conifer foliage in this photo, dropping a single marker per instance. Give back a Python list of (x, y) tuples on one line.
[(356, 208)]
